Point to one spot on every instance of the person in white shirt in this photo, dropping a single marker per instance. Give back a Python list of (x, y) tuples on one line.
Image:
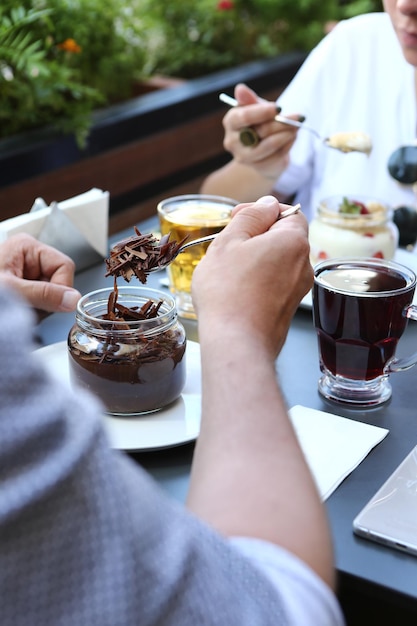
[(86, 537), (360, 77)]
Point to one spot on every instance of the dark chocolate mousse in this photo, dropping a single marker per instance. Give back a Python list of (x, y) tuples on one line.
[(127, 345)]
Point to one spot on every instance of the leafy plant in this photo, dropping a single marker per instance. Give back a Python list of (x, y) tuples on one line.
[(350, 8), (61, 59), (189, 38)]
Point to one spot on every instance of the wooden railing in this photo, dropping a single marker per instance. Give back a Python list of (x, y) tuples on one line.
[(156, 145)]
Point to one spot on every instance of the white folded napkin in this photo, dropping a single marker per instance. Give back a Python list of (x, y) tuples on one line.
[(333, 446), (77, 226)]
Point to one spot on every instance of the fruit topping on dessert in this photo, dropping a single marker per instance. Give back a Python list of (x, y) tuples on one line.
[(353, 206), (350, 206)]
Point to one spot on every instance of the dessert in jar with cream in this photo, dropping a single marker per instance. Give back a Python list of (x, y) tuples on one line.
[(352, 226), (127, 345), (129, 352)]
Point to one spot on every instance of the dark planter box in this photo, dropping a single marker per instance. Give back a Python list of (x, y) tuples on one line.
[(147, 148)]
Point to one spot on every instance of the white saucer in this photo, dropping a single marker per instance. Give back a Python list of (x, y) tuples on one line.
[(409, 259), (177, 424)]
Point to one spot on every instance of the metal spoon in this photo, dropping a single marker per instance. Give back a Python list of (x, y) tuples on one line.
[(195, 242), (355, 141)]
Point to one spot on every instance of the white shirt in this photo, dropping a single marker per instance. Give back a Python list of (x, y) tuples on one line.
[(356, 79), (295, 580)]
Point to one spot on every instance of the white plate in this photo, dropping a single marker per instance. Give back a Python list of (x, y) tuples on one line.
[(409, 259), (177, 424)]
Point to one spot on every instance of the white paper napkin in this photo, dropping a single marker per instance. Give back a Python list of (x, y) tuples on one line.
[(89, 212), (333, 445)]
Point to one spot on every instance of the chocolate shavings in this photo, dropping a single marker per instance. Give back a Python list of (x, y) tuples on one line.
[(138, 255)]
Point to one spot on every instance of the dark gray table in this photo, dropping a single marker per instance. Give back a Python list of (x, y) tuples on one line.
[(382, 580)]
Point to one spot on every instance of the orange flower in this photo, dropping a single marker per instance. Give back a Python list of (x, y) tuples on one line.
[(70, 45)]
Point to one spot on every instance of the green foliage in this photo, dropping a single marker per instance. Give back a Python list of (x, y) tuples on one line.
[(190, 38), (61, 59), (355, 7)]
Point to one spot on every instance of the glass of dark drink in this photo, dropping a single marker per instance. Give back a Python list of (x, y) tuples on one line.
[(361, 308)]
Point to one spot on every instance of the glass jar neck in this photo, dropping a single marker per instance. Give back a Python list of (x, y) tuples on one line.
[(93, 310), (353, 220)]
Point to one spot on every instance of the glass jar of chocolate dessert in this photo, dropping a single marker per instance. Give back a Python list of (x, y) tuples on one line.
[(127, 346), (352, 226)]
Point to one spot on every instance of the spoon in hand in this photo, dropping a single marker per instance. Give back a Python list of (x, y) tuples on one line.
[(143, 253), (195, 242), (354, 141)]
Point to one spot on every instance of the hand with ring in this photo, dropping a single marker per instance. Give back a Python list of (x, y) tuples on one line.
[(249, 137), (252, 135)]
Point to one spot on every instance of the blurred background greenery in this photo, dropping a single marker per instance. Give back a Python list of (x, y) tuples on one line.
[(61, 59), (190, 38)]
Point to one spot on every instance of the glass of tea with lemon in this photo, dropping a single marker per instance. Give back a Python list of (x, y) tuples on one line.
[(191, 216)]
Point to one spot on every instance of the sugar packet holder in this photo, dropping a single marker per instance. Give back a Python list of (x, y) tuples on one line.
[(77, 227)]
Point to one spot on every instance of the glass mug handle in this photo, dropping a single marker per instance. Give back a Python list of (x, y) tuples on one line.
[(400, 365)]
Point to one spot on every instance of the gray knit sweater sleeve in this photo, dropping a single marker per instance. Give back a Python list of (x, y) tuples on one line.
[(86, 537)]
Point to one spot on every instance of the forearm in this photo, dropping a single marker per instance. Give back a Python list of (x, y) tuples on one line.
[(249, 477), (78, 520), (238, 181)]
